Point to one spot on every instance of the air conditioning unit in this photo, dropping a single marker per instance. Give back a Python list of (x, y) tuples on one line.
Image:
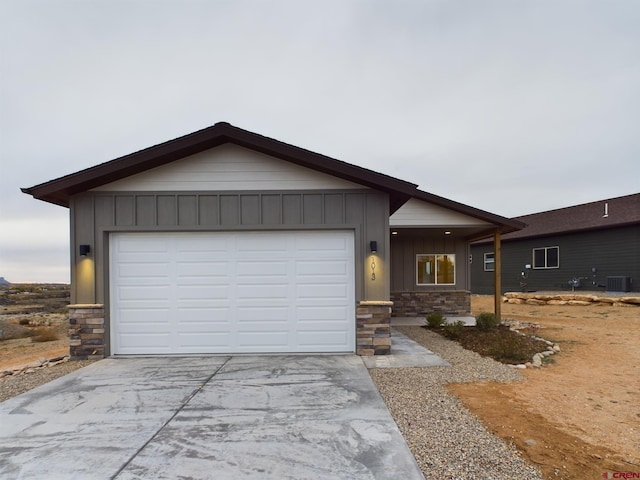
[(618, 284)]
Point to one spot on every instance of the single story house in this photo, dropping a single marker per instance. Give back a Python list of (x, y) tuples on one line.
[(593, 246), (226, 241)]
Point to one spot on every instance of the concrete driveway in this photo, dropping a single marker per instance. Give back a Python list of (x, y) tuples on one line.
[(262, 417)]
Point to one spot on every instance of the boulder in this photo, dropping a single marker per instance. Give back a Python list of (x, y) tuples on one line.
[(557, 302), (633, 300), (535, 301), (607, 300)]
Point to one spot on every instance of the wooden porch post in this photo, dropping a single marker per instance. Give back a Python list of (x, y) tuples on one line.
[(497, 276)]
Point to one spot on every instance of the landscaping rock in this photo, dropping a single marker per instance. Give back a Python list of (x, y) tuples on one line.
[(573, 299)]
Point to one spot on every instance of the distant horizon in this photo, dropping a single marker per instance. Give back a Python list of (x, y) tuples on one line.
[(31, 283)]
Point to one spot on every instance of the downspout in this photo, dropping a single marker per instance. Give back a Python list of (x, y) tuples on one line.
[(497, 276)]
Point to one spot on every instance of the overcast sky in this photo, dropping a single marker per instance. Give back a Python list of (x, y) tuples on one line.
[(510, 106)]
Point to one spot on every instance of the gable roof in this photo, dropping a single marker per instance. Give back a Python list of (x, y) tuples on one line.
[(509, 225), (60, 190), (608, 213)]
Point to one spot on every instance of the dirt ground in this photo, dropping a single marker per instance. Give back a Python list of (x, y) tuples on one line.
[(578, 417), (17, 353)]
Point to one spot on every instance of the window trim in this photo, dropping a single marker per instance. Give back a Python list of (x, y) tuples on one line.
[(436, 255), (486, 263), (546, 258)]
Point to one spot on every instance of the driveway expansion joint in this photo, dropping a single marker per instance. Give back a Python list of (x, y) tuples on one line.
[(164, 425)]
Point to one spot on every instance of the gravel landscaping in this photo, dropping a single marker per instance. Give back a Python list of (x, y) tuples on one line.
[(16, 384), (447, 441)]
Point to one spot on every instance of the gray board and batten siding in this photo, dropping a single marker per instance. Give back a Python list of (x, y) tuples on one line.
[(406, 247), (612, 252), (94, 215)]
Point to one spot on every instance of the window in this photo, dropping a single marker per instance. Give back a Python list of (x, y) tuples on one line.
[(546, 257), (436, 269), (489, 262)]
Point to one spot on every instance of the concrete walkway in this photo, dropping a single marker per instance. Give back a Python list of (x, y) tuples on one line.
[(266, 417), (405, 353)]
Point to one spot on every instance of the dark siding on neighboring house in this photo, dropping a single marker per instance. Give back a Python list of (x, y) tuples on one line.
[(613, 252)]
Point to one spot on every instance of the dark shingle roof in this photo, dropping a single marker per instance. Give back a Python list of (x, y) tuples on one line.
[(612, 212)]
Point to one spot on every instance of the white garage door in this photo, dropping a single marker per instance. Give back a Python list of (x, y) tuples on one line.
[(248, 292)]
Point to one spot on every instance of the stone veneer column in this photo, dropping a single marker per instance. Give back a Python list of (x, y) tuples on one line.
[(86, 331), (373, 332)]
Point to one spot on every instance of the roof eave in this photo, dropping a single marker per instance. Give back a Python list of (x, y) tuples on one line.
[(59, 191), (503, 224)]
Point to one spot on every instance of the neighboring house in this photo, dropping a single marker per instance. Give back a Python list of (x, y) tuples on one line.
[(594, 246), (225, 241)]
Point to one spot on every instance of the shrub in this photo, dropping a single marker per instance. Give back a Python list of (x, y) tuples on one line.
[(509, 349), (44, 334), (10, 331), (435, 320), (454, 330), (486, 321)]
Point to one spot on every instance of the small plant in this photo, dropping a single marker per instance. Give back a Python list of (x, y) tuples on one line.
[(44, 334), (486, 321), (454, 330), (508, 349), (435, 320)]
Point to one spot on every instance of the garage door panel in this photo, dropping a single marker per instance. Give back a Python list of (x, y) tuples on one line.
[(319, 290), (208, 268), (232, 292), (195, 329), (328, 267), (258, 244), (321, 313), (192, 244), (262, 268), (194, 343), (265, 313), (143, 269), (142, 245), (248, 341), (307, 242), (143, 316), (326, 338), (202, 292), (210, 316), (157, 340), (257, 292), (141, 293)]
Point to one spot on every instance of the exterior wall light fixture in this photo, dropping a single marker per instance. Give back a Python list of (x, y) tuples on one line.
[(85, 250), (373, 246)]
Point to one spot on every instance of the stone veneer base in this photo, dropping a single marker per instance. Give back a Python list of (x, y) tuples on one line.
[(416, 304), (86, 331)]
